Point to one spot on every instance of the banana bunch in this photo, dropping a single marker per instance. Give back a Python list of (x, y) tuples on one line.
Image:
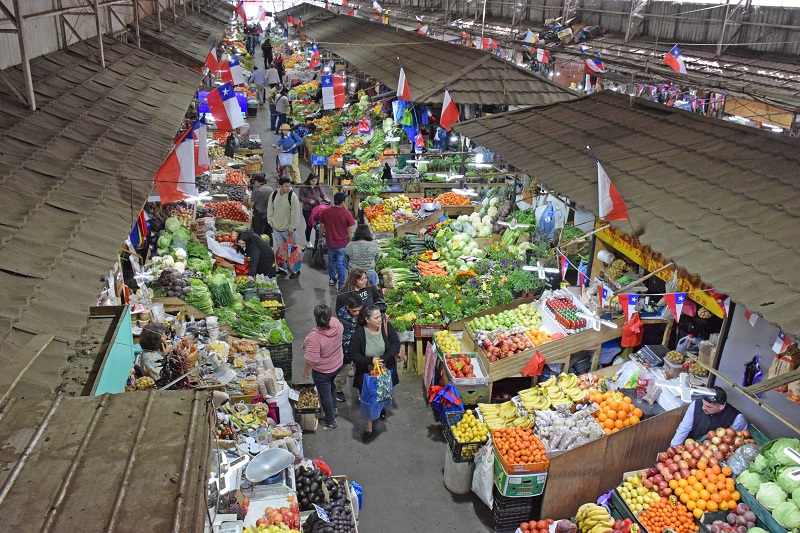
[(593, 518), (499, 415), (524, 422), (534, 399), (554, 391)]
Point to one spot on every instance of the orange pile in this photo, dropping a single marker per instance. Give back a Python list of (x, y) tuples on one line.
[(519, 446), (662, 515), (538, 336), (452, 198), (708, 488), (616, 411)]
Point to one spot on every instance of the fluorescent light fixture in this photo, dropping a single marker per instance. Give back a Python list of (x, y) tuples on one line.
[(479, 157)]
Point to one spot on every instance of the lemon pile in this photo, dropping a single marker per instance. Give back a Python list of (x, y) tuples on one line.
[(271, 303), (470, 429), (447, 342), (382, 223), (636, 495)]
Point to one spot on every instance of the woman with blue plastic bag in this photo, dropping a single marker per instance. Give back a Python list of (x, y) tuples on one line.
[(374, 342)]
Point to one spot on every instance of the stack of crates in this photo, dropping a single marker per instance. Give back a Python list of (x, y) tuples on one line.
[(281, 355), (508, 513)]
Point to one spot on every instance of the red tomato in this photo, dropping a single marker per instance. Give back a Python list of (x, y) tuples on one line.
[(542, 524), (524, 527)]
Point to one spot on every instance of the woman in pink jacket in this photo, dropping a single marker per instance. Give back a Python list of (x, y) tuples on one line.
[(324, 356)]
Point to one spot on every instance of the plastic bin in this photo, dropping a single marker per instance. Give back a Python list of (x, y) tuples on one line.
[(461, 451), (508, 513), (457, 475), (672, 370), (281, 355)]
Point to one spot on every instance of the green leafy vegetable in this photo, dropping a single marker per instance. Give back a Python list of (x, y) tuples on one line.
[(172, 224), (770, 495), (787, 515), (773, 451), (783, 481), (750, 480)]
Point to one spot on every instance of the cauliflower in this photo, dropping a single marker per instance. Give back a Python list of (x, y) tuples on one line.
[(486, 220), (493, 202), (492, 210), (180, 254), (179, 267), (169, 261)]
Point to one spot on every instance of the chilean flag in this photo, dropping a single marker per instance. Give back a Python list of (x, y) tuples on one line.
[(675, 61), (449, 111), (542, 56), (593, 66), (376, 6), (232, 71), (201, 162), (262, 14), (332, 91), (175, 178), (352, 12), (750, 317), (628, 303), (612, 206), (240, 12), (299, 22), (315, 57), (675, 303), (489, 44), (211, 60), (782, 342), (604, 294), (403, 90), (564, 265), (225, 108), (289, 19)]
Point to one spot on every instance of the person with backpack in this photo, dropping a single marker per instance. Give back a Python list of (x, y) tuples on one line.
[(289, 142), (283, 212)]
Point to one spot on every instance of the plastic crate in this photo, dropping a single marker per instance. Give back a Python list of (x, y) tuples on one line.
[(516, 486), (281, 355), (508, 513), (462, 451), (520, 468), (277, 312)]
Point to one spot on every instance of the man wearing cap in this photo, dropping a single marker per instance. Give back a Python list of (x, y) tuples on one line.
[(337, 225), (289, 142), (707, 414)]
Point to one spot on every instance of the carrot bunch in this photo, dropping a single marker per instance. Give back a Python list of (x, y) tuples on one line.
[(430, 268)]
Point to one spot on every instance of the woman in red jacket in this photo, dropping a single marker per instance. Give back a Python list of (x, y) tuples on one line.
[(324, 356)]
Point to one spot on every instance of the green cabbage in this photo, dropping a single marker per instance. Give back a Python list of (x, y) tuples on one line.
[(783, 481), (787, 515), (172, 224), (796, 497), (773, 451), (760, 463), (164, 241), (770, 495), (750, 480), (757, 530), (275, 336)]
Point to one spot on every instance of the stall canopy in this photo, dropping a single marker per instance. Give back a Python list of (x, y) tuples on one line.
[(719, 199), (73, 175), (472, 76), (125, 462), (219, 9), (183, 39)]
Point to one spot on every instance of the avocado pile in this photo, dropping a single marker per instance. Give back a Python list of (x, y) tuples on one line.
[(314, 487)]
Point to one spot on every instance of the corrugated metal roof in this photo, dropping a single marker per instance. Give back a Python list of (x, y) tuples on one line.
[(720, 200), (472, 76), (73, 175), (147, 450), (219, 9), (186, 38)]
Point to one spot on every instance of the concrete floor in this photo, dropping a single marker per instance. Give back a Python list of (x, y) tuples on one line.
[(401, 471)]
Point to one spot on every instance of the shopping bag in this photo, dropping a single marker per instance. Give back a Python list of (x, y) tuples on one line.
[(632, 332), (318, 257), (444, 400), (483, 476), (534, 366), (377, 386), (290, 255), (285, 159)]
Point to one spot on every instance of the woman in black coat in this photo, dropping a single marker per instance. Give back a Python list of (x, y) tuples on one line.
[(373, 339), (262, 258)]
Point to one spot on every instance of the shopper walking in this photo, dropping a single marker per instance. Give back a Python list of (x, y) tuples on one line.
[(337, 225), (363, 253), (290, 142), (262, 258), (280, 66), (259, 78), (323, 355), (311, 195), (259, 202), (348, 314), (273, 113), (357, 284), (281, 107), (282, 215), (374, 340), (266, 51), (273, 79)]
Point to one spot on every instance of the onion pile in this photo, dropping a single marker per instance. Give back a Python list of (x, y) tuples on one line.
[(739, 520)]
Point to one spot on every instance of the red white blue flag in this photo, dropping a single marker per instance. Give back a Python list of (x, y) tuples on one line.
[(628, 303), (604, 294), (675, 60), (315, 57), (403, 90), (231, 71), (201, 162), (289, 19), (140, 230), (299, 22), (449, 111), (782, 342), (333, 94), (211, 60), (225, 108), (593, 66), (423, 29), (751, 317), (419, 142), (542, 56), (564, 263), (611, 204), (240, 12), (675, 303), (175, 178)]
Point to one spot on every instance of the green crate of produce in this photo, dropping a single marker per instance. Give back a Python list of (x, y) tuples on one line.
[(531, 484)]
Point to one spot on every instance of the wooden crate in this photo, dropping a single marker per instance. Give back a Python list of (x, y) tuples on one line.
[(174, 306)]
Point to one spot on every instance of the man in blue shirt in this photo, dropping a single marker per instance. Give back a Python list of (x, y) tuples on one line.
[(289, 142), (258, 77)]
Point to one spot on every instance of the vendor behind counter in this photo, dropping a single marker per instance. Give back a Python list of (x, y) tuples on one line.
[(707, 414)]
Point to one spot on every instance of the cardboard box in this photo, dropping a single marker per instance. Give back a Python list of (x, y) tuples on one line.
[(517, 485)]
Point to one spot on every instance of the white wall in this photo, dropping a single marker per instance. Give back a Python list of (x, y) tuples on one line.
[(43, 35), (745, 341)]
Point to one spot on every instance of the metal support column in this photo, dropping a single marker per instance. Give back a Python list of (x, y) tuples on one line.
[(19, 22), (136, 23), (158, 14), (99, 27)]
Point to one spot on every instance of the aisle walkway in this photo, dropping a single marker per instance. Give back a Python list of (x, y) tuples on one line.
[(401, 471)]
